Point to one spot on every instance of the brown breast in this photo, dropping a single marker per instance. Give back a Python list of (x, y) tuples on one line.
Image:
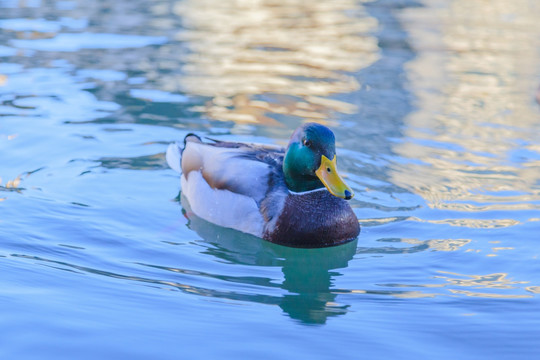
[(314, 219)]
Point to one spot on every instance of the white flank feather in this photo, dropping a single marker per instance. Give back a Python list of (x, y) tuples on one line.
[(174, 157), (222, 207)]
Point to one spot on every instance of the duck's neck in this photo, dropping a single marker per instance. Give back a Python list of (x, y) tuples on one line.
[(299, 183)]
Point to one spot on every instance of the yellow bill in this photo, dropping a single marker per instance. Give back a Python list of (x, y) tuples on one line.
[(329, 176)]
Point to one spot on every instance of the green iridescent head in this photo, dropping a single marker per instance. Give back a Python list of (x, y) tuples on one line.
[(310, 161)]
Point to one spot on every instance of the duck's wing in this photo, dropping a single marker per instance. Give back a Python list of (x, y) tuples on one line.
[(240, 168)]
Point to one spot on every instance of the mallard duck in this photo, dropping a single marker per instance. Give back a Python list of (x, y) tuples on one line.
[(293, 196)]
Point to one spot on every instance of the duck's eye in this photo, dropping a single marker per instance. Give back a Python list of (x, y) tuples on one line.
[(307, 142)]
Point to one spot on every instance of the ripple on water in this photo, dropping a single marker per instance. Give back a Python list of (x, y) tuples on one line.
[(437, 132)]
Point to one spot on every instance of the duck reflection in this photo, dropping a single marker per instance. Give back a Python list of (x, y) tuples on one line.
[(308, 273)]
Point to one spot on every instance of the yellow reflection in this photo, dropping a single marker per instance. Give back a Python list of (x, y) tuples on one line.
[(495, 249), (440, 244), (455, 283), (473, 223), (489, 295), (413, 295), (12, 184), (492, 281), (474, 78), (397, 294), (460, 284), (296, 53)]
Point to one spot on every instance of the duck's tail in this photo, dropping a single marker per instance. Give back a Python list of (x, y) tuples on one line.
[(174, 157)]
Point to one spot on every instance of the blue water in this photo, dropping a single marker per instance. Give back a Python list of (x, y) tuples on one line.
[(433, 107)]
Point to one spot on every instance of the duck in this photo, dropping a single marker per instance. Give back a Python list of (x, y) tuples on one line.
[(291, 196)]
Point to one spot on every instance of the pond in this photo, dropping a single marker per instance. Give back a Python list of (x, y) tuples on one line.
[(438, 133)]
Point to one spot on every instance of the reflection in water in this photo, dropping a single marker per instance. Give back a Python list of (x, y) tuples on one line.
[(146, 162), (259, 57), (494, 281), (474, 78), (471, 151), (309, 279), (11, 184), (308, 272), (498, 286), (440, 244), (473, 144), (473, 223), (418, 246)]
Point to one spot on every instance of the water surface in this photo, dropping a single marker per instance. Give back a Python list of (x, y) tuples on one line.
[(433, 107)]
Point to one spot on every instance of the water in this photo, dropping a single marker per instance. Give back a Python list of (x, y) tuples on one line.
[(433, 105)]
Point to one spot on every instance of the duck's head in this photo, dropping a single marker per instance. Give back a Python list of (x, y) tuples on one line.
[(310, 161)]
